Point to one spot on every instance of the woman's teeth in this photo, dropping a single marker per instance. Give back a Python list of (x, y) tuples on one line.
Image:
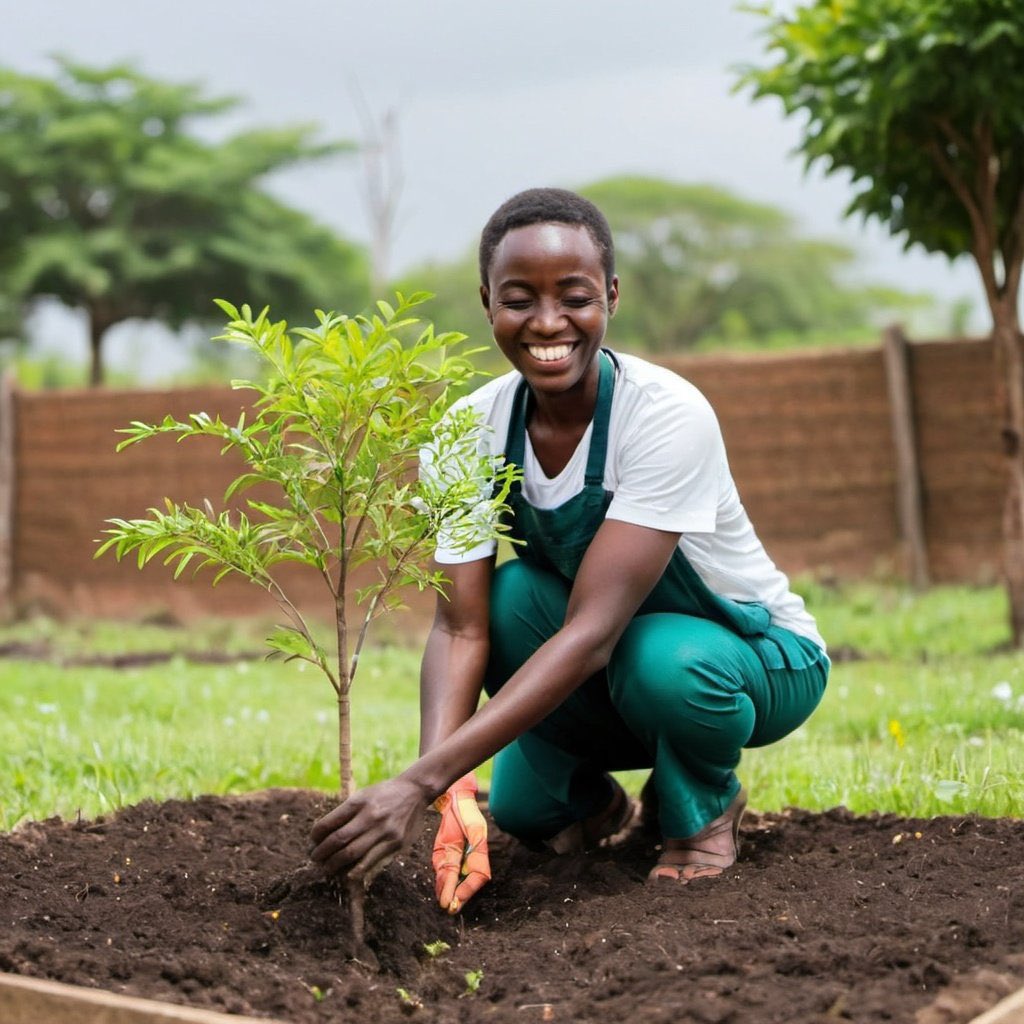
[(548, 353)]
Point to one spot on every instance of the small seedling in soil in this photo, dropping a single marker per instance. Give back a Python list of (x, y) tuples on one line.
[(436, 949), (473, 979), (410, 1001), (333, 443)]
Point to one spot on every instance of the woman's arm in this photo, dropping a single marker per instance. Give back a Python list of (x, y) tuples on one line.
[(455, 656), (621, 567)]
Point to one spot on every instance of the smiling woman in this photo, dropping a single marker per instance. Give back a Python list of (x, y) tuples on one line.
[(643, 624), (548, 297)]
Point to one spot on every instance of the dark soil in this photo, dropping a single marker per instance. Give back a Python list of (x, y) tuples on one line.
[(824, 917)]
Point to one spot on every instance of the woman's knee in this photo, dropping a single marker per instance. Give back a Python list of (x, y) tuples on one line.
[(666, 678)]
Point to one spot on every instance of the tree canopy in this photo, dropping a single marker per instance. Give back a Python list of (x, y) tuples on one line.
[(113, 200), (918, 100)]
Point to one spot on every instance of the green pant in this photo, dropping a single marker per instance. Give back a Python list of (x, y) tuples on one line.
[(681, 694)]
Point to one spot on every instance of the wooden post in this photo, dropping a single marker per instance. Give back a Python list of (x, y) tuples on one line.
[(8, 481), (908, 473)]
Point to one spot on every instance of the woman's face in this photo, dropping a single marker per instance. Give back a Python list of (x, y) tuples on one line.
[(549, 304)]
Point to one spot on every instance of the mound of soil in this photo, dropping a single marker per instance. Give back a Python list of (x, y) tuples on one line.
[(824, 917)]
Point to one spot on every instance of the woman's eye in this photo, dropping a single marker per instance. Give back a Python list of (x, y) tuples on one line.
[(577, 301), (515, 303)]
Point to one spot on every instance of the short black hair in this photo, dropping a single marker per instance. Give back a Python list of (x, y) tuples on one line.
[(547, 206)]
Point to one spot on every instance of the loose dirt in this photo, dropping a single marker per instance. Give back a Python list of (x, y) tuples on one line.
[(824, 917)]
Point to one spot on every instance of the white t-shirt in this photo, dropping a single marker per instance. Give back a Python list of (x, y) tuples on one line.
[(667, 469)]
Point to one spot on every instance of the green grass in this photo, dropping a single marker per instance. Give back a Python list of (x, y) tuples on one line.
[(86, 740), (929, 721)]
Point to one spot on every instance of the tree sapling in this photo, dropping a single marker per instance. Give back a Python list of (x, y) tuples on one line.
[(336, 431)]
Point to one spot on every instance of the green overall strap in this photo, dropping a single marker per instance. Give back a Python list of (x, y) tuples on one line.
[(515, 441)]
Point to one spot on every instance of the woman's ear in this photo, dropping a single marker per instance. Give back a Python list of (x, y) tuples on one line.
[(485, 298), (613, 296)]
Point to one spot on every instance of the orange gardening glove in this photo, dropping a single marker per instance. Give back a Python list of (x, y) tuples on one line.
[(460, 850)]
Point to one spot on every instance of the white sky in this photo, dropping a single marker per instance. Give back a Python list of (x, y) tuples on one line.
[(491, 97)]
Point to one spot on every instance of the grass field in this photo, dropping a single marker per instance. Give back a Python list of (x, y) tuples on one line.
[(923, 715)]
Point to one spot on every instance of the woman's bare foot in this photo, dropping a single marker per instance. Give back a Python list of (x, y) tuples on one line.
[(706, 854)]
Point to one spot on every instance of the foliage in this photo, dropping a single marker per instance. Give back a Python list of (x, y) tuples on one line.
[(336, 435), (699, 265), (696, 260), (456, 288), (916, 101), (113, 200)]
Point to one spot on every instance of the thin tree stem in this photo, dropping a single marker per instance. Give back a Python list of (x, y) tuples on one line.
[(344, 702)]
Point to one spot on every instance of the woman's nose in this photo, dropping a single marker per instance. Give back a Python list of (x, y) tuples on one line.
[(547, 319)]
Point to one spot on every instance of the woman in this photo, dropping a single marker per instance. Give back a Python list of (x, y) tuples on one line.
[(643, 624)]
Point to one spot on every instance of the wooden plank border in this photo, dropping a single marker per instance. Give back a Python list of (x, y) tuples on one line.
[(1007, 1011), (34, 1001)]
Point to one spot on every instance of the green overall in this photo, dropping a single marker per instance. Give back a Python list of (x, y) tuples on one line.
[(694, 678)]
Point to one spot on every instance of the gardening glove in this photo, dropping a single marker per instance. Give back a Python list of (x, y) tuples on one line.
[(460, 850)]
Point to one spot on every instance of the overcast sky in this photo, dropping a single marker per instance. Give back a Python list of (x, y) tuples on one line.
[(491, 97)]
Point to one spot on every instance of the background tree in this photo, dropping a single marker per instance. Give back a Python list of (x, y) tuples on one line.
[(698, 262), (110, 201), (701, 267), (919, 102)]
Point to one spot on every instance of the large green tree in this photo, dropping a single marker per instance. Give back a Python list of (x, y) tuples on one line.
[(697, 264), (918, 101), (113, 200)]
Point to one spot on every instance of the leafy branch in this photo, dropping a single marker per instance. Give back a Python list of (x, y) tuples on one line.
[(336, 434)]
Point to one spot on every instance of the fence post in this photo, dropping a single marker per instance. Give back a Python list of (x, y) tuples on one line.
[(8, 474), (908, 471)]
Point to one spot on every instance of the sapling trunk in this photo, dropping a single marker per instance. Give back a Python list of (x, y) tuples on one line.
[(345, 785)]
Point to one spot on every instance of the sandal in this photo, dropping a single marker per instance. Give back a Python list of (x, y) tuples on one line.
[(701, 855), (598, 829)]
